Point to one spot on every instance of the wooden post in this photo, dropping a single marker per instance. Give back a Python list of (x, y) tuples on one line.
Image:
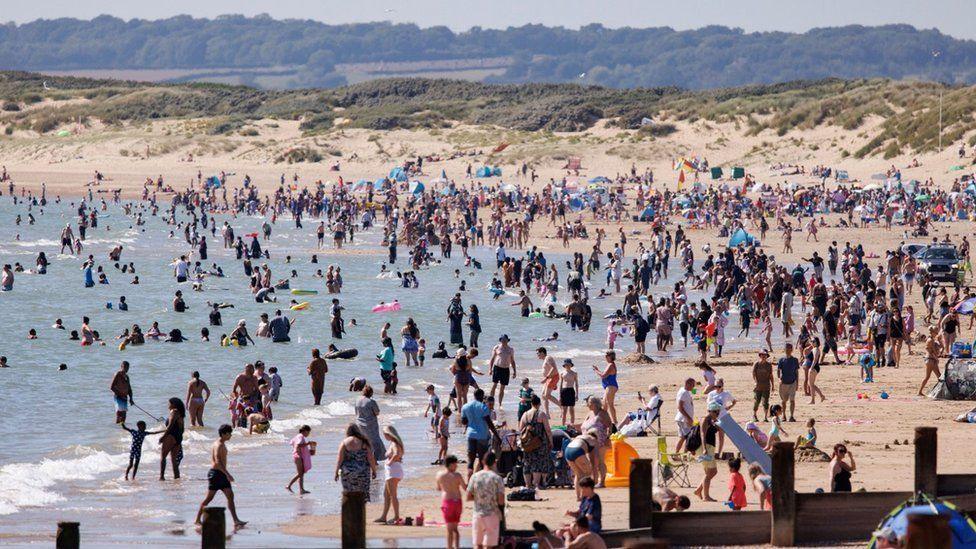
[(641, 488), (784, 496), (353, 520), (928, 532), (69, 536), (926, 460), (213, 528)]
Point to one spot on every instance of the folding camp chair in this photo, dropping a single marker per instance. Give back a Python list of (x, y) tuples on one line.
[(655, 417), (671, 468)]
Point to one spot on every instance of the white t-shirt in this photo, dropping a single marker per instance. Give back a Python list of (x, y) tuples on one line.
[(651, 406), (723, 398), (684, 396)]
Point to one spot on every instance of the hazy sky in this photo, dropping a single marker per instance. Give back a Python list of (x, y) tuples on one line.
[(954, 17)]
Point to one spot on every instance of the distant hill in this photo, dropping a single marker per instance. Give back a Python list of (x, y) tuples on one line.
[(301, 53), (903, 116)]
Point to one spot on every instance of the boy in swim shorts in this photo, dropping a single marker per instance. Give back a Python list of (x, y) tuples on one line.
[(450, 483)]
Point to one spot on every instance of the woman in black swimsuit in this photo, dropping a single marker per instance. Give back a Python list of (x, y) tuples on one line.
[(840, 470), (172, 439)]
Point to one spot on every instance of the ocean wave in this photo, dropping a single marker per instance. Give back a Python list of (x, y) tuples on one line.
[(580, 353), (30, 484)]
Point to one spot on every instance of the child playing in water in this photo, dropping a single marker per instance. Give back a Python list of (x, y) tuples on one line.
[(302, 455), (568, 391), (443, 434), (135, 451), (433, 406), (612, 334), (421, 351)]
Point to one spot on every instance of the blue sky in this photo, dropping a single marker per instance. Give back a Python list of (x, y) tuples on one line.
[(954, 17)]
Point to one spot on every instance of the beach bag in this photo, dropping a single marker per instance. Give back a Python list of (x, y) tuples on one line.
[(522, 494), (529, 439), (693, 440)]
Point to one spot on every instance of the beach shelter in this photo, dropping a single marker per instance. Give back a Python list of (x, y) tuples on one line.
[(716, 172), (738, 172), (576, 203), (213, 182), (379, 184), (600, 179), (483, 171), (416, 188), (893, 528), (397, 174), (742, 237), (958, 382), (647, 214), (441, 179), (496, 171)]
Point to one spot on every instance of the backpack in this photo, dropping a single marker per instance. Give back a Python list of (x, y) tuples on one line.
[(529, 439)]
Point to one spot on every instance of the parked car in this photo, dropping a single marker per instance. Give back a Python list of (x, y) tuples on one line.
[(941, 262)]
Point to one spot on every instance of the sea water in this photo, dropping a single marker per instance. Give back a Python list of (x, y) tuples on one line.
[(63, 458)]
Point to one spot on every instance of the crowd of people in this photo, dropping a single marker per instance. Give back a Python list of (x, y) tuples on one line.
[(842, 306)]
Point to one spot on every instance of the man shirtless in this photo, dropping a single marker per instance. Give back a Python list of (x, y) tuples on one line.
[(501, 367), (450, 483), (246, 386), (933, 350), (317, 369), (550, 377), (218, 478), (122, 391)]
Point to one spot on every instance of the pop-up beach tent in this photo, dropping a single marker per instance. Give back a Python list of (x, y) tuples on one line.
[(892, 530), (742, 237), (958, 381)]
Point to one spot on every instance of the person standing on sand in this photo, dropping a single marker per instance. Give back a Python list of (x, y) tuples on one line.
[(195, 401), (450, 483), (487, 490), (317, 369), (122, 390), (787, 370), (933, 349), (219, 478), (762, 375)]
